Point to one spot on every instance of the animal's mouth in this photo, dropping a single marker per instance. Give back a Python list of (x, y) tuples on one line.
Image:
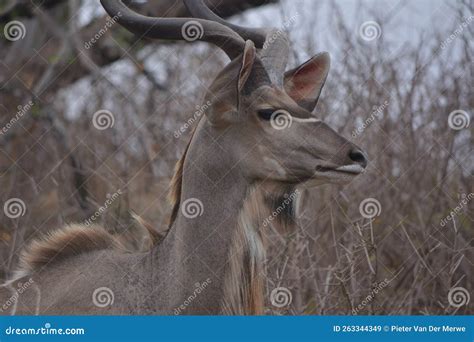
[(346, 169), (334, 174), (352, 169)]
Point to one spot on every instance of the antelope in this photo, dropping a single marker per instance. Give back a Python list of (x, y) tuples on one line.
[(239, 165)]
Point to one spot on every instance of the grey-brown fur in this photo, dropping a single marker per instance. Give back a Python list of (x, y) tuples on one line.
[(239, 167)]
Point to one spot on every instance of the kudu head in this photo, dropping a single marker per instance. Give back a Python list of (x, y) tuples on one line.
[(260, 113)]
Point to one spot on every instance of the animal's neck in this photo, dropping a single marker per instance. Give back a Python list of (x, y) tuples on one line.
[(197, 246), (216, 238)]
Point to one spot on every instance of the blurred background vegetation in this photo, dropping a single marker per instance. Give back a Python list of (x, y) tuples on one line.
[(392, 95)]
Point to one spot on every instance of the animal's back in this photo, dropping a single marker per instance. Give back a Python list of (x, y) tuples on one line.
[(55, 274), (114, 287)]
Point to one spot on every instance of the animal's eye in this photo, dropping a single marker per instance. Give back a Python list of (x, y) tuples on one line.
[(266, 114)]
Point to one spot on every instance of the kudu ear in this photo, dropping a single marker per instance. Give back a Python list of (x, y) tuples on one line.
[(225, 92), (304, 83)]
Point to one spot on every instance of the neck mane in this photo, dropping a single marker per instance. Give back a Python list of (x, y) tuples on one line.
[(266, 206)]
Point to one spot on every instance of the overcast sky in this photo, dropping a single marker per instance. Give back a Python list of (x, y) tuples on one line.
[(401, 21)]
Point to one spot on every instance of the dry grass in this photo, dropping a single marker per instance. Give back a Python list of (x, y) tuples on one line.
[(405, 260)]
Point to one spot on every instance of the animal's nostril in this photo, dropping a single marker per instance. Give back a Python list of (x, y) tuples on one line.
[(358, 157)]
